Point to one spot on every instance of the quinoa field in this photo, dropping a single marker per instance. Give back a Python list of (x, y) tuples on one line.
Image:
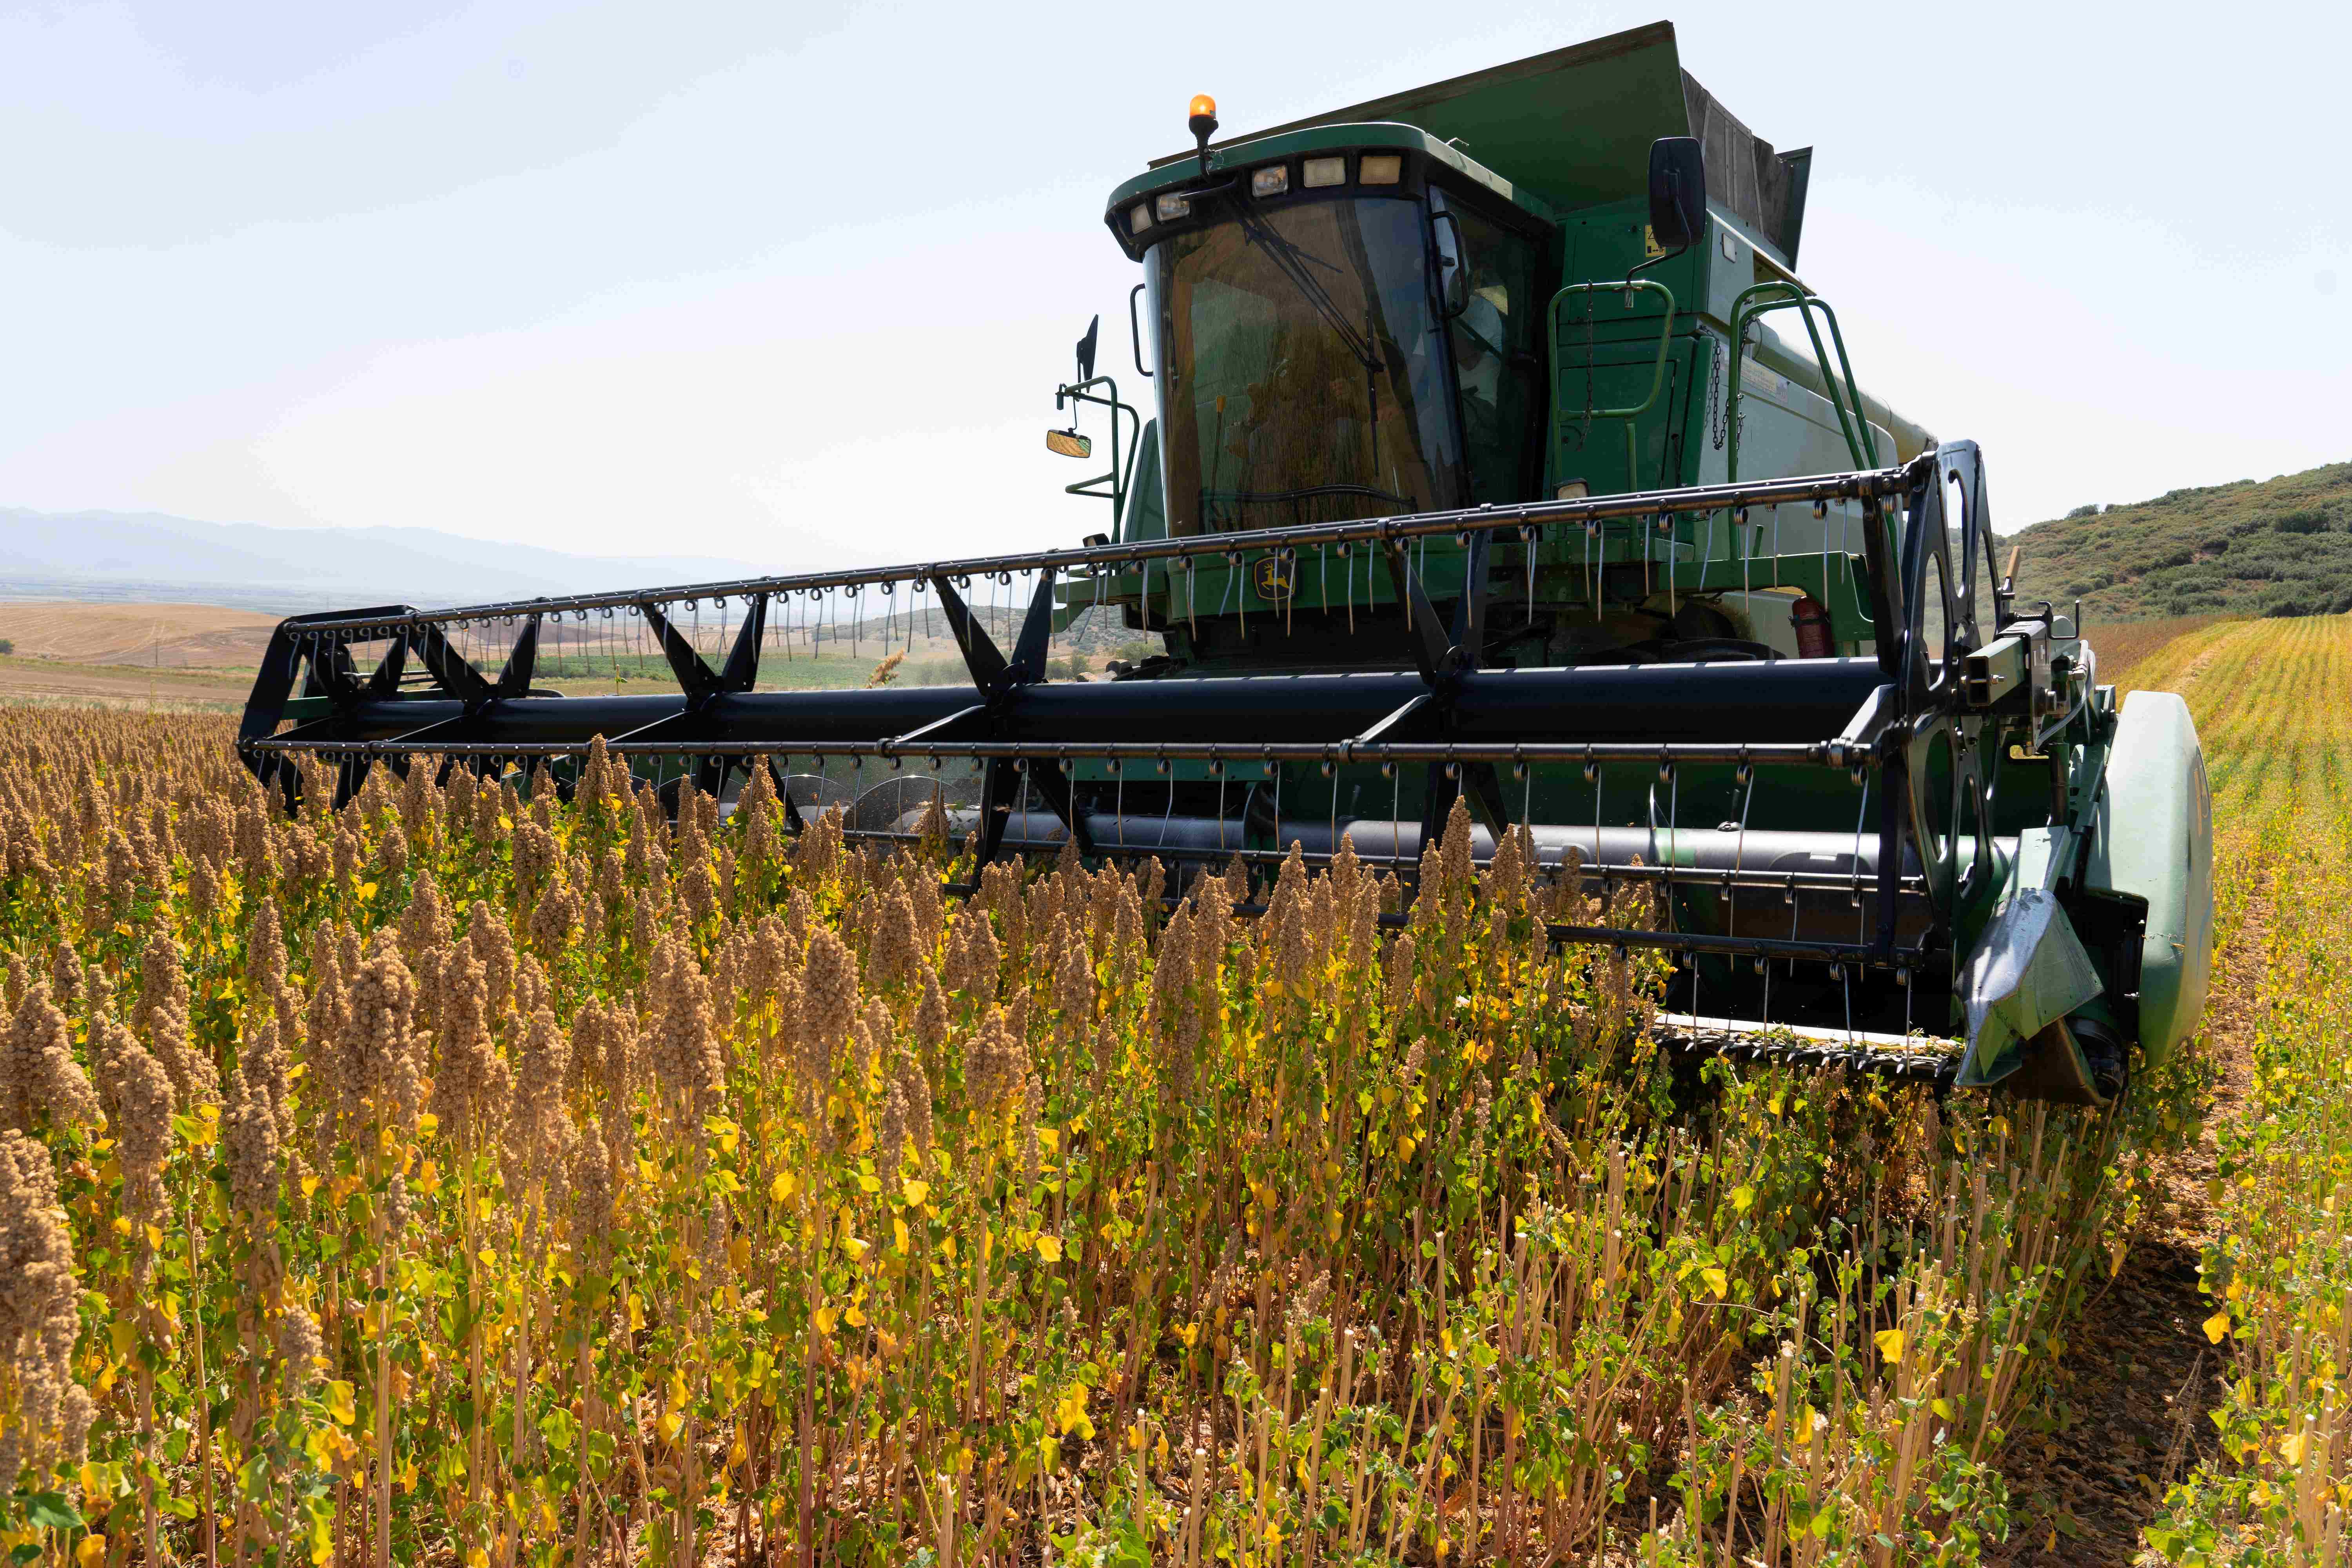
[(471, 1178)]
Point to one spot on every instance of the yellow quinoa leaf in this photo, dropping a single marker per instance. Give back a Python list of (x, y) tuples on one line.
[(916, 1192), (2217, 1327), (340, 1404), (1049, 1248), (1716, 1280), (2291, 1447), (91, 1551), (1743, 1199), (782, 1187), (1942, 1408), (1890, 1343)]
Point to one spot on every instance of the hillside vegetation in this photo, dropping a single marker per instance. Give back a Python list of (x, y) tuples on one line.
[(2281, 547)]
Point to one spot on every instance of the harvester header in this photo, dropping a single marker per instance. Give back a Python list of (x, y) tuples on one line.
[(1472, 476)]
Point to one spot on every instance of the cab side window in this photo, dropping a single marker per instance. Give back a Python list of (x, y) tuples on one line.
[(1493, 342)]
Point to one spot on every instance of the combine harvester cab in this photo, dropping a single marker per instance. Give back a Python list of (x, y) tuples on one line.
[(1475, 478)]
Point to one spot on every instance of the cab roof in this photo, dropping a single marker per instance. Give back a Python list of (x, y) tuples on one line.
[(1224, 157)]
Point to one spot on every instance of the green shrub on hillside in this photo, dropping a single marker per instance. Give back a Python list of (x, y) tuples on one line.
[(2281, 547)]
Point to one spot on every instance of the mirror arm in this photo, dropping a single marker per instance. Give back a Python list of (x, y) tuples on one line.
[(1447, 309), (1658, 261)]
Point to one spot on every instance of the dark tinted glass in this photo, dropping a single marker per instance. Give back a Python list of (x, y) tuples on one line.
[(1305, 372)]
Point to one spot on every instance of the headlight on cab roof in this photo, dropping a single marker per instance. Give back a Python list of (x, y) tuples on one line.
[(1171, 207), (1138, 218), (1380, 169), (1322, 172), (1270, 181)]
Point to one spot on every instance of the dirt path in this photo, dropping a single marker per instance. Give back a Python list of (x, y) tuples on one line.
[(2138, 1374)]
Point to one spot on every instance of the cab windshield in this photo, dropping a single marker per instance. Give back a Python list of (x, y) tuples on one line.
[(1306, 379)]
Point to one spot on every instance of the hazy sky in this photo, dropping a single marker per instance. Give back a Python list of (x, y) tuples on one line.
[(795, 283)]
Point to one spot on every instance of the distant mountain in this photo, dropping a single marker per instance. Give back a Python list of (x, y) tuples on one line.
[(2279, 547), (113, 556)]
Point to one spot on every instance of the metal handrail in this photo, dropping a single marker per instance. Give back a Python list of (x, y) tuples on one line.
[(1657, 370), (1120, 475), (1779, 294)]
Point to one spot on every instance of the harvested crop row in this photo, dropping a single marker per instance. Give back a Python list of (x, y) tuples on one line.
[(2276, 1275)]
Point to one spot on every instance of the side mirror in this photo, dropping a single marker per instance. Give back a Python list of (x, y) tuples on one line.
[(1069, 444), (1677, 192)]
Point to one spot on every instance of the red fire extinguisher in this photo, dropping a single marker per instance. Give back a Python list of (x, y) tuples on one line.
[(1811, 619)]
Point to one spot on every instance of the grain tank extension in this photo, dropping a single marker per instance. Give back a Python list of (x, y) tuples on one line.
[(1468, 468)]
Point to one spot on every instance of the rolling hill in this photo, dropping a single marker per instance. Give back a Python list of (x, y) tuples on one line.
[(2277, 547)]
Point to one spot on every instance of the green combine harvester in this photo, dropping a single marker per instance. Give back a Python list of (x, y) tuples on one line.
[(1474, 470)]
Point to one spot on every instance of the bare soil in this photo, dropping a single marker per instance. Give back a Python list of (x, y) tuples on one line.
[(2139, 1376), (167, 636)]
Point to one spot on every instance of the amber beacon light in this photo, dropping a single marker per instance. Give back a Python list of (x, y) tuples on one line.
[(1203, 122)]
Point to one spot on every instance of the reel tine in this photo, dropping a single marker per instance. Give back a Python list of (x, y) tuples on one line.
[(1218, 770), (1332, 774), (1530, 536), (1396, 810), (1862, 815)]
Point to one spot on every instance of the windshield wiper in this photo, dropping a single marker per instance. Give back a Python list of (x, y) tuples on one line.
[(1289, 260)]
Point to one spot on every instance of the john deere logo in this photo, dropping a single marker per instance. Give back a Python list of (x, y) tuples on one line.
[(1272, 577)]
